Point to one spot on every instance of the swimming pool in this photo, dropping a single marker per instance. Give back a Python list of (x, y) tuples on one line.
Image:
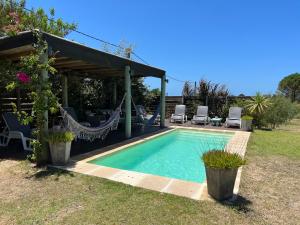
[(175, 154)]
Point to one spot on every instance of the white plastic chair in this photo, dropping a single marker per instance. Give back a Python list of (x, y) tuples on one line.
[(201, 116), (234, 117), (179, 115)]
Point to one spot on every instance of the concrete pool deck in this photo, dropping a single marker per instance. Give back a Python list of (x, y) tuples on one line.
[(192, 190)]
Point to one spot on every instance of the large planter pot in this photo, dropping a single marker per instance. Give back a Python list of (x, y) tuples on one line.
[(60, 153), (247, 125), (220, 182)]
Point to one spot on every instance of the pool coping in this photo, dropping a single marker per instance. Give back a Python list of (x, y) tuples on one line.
[(192, 190)]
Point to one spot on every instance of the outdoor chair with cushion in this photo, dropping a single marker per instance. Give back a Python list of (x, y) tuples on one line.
[(15, 130), (179, 115), (234, 117), (202, 116)]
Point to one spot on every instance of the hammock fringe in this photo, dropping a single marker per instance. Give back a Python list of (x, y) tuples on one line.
[(91, 133)]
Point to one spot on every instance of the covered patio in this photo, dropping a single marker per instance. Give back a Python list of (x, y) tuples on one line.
[(73, 59)]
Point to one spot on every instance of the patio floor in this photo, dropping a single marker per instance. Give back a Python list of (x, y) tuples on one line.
[(15, 149)]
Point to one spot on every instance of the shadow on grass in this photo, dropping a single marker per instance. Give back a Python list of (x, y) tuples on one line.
[(239, 203), (14, 151), (50, 172)]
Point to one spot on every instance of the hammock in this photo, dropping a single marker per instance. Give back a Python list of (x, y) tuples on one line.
[(91, 133), (150, 121)]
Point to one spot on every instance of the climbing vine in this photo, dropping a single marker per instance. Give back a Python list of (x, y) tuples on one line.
[(29, 77), (28, 72)]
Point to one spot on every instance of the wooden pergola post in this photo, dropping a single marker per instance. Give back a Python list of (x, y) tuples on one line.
[(127, 102), (163, 101), (114, 93), (65, 90), (44, 78)]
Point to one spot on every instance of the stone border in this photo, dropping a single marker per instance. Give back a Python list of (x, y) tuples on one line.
[(192, 190)]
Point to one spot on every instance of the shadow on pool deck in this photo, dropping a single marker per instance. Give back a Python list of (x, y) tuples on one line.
[(15, 149)]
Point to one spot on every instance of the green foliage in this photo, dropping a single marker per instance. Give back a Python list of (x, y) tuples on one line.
[(14, 19), (290, 86), (246, 117), (281, 111), (187, 89), (220, 159), (58, 137), (210, 89), (152, 97), (257, 106), (40, 93), (213, 95)]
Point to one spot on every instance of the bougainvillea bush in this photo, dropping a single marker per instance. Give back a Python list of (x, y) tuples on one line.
[(27, 72)]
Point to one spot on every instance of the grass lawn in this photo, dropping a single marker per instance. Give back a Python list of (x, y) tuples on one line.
[(284, 142), (269, 192)]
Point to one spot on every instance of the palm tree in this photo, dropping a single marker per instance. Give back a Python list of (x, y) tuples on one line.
[(257, 106)]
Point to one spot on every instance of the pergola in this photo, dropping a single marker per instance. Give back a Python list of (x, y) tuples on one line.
[(74, 59)]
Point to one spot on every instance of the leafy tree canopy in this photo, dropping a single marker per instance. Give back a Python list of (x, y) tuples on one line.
[(14, 18), (187, 89), (281, 111), (290, 86)]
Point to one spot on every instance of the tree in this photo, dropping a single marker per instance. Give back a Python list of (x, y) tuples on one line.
[(14, 18), (281, 111), (187, 89), (257, 106), (215, 96), (290, 86)]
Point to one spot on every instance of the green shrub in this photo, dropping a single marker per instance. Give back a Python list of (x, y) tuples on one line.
[(61, 136), (220, 159), (281, 111), (246, 117)]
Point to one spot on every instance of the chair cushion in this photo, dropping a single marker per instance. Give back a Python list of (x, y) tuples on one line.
[(177, 117), (200, 118)]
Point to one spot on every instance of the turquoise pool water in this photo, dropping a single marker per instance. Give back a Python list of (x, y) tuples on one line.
[(176, 154)]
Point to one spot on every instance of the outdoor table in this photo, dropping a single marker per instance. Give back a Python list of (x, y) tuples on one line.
[(216, 121)]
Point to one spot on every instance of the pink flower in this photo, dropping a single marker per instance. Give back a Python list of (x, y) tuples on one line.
[(23, 77)]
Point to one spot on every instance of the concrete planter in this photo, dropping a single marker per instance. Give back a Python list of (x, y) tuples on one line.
[(247, 125), (60, 153), (220, 182)]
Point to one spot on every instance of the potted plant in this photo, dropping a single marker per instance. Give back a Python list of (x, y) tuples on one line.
[(221, 169), (247, 123), (60, 146)]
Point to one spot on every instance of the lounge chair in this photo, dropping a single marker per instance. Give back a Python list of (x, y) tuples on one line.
[(179, 114), (234, 117), (71, 112), (15, 130), (201, 116)]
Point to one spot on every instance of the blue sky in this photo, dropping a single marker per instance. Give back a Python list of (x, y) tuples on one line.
[(247, 45)]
